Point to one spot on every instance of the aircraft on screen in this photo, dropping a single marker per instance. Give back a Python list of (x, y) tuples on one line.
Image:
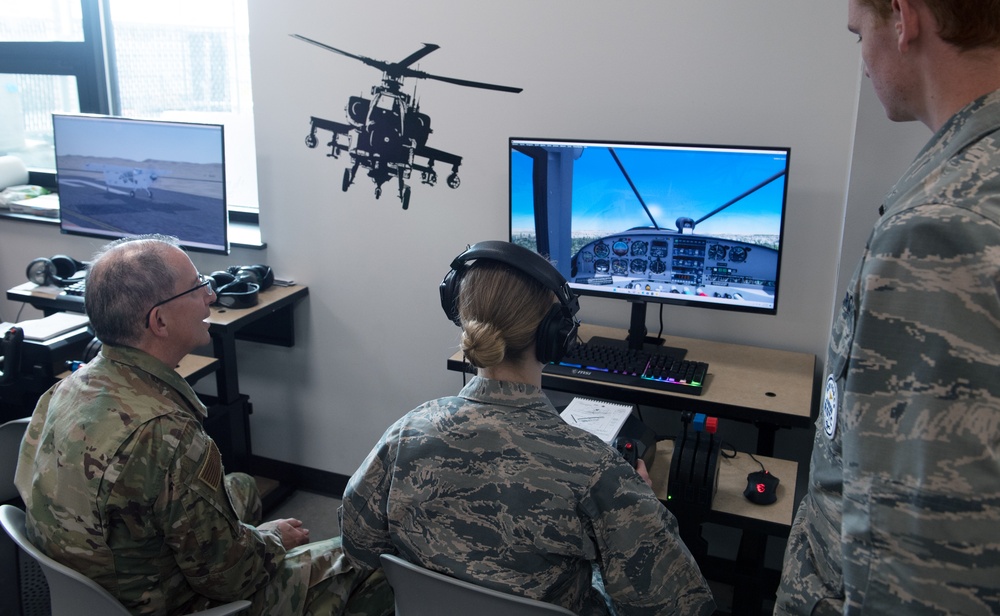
[(129, 179)]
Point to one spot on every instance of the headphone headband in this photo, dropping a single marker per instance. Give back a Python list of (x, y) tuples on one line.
[(557, 329), (518, 257), (232, 291)]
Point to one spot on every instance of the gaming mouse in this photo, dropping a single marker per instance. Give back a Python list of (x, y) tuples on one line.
[(761, 488)]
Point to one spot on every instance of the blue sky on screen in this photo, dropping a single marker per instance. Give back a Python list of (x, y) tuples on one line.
[(137, 140), (673, 183)]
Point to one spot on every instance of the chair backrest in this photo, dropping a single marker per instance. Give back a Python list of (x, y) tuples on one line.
[(28, 592), (11, 434), (421, 592), (73, 593)]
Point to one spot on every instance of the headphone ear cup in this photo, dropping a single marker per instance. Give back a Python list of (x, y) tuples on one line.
[(258, 274), (40, 271), (267, 278), (92, 349), (449, 296), (220, 279), (234, 291), (554, 335)]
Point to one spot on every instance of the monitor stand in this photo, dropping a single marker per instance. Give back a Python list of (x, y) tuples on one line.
[(637, 340)]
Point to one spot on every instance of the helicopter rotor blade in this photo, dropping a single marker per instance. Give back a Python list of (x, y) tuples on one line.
[(369, 61), (462, 82), (417, 55), (401, 68)]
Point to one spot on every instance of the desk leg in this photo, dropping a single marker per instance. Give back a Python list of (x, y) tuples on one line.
[(229, 426), (748, 586), (765, 438), (226, 377)]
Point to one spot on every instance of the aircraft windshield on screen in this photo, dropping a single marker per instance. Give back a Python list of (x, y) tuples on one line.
[(694, 223)]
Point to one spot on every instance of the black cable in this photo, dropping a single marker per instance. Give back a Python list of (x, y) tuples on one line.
[(735, 453), (722, 450), (757, 461)]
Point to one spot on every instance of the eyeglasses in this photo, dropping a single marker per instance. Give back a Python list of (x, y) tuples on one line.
[(203, 281)]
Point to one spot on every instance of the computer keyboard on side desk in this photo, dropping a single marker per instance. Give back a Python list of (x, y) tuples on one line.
[(78, 288), (611, 361)]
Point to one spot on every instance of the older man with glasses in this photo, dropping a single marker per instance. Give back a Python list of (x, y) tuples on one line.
[(121, 482)]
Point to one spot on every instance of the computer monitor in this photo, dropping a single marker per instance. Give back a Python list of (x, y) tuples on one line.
[(694, 225), (120, 177)]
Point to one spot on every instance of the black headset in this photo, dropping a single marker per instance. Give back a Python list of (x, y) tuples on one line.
[(234, 291), (238, 285), (260, 275), (557, 329), (56, 271)]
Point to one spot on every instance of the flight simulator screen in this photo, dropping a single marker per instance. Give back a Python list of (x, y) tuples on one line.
[(697, 225), (120, 177)]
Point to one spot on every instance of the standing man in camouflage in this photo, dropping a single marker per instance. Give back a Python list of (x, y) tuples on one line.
[(122, 484), (902, 515)]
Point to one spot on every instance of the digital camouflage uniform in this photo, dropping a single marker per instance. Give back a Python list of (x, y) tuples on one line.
[(494, 487), (902, 515), (121, 482)]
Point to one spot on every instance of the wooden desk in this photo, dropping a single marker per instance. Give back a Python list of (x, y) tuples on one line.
[(747, 574), (766, 387), (730, 507), (191, 367), (269, 322)]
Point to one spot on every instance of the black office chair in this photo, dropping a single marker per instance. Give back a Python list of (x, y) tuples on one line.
[(421, 592)]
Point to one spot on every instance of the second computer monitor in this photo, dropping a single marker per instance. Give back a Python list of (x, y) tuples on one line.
[(698, 225)]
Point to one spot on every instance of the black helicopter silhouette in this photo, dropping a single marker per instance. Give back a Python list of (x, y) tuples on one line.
[(390, 131)]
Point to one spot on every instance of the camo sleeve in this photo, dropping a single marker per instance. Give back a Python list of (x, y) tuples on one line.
[(646, 568), (921, 418), (220, 557), (364, 513)]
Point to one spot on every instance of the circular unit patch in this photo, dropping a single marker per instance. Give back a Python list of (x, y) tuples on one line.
[(830, 407)]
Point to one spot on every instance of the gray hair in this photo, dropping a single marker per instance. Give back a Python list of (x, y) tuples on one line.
[(124, 280)]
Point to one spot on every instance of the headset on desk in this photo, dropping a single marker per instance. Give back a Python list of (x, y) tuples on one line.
[(238, 285), (56, 271)]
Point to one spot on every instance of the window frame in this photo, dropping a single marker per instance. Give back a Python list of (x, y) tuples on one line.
[(81, 59), (91, 61)]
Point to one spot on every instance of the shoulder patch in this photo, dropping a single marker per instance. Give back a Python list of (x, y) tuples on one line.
[(830, 404), (211, 469)]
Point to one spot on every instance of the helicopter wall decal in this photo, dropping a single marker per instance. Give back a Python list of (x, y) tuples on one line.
[(387, 134)]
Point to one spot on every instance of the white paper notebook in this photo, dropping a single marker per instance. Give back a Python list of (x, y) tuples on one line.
[(53, 325), (599, 417)]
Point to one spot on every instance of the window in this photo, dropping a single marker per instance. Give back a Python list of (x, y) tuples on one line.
[(184, 60)]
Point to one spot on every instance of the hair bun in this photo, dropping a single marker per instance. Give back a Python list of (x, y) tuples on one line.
[(483, 344)]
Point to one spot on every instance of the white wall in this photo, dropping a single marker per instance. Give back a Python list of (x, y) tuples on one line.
[(882, 152), (372, 339)]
